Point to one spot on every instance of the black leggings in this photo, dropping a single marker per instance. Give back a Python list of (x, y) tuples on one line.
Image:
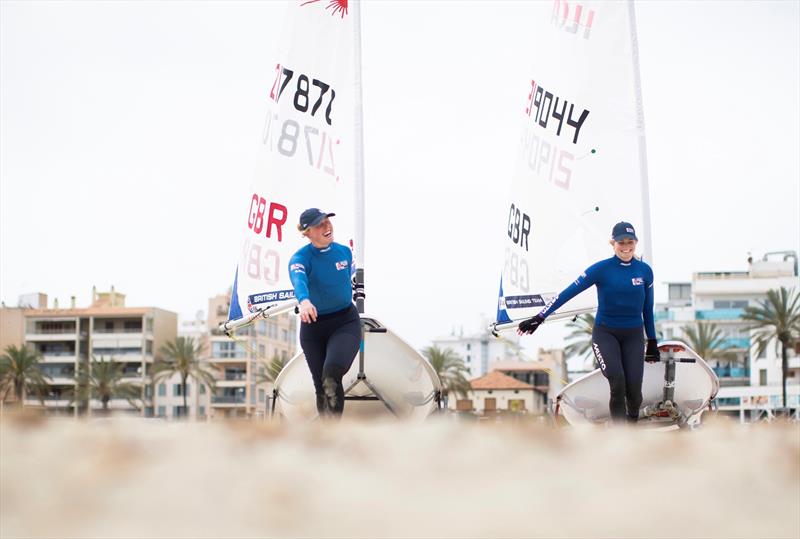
[(330, 345), (620, 354)]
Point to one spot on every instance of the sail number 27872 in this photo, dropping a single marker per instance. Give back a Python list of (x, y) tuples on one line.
[(303, 92)]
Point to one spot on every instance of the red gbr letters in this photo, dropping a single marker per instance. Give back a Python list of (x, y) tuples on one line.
[(275, 217)]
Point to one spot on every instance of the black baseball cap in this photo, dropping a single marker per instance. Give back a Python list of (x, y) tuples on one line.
[(623, 231), (312, 217)]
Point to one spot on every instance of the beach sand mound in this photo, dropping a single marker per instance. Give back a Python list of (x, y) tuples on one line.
[(152, 478)]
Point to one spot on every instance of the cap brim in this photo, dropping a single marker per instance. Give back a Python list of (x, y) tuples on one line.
[(319, 219), (625, 237)]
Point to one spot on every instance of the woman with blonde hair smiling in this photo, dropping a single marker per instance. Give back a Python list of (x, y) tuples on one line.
[(624, 306), (330, 332)]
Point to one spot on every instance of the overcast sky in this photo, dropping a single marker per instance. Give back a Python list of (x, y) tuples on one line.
[(128, 136)]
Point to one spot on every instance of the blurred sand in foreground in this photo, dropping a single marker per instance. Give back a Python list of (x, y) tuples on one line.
[(151, 478)]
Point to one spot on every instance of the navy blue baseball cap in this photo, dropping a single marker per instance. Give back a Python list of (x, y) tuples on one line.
[(312, 217), (623, 231)]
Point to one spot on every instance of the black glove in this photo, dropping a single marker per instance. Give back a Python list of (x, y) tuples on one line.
[(651, 353), (531, 324), (358, 290)]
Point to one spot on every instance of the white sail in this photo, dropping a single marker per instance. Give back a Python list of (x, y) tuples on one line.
[(307, 155), (311, 156), (581, 165)]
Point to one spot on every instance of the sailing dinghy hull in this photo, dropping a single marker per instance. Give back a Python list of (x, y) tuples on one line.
[(585, 401), (397, 381)]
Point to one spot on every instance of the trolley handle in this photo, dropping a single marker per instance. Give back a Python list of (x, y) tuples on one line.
[(675, 360)]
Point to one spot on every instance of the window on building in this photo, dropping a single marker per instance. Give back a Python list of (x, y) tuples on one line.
[(285, 335), (148, 391), (202, 389), (227, 349), (177, 411), (680, 292), (148, 347), (109, 325), (161, 411), (162, 390), (284, 355), (722, 304), (261, 395), (738, 304), (132, 326), (469, 358), (262, 350), (762, 377), (201, 411), (469, 346)]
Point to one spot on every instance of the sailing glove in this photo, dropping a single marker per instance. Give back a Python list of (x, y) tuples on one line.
[(651, 353), (358, 289), (531, 324)]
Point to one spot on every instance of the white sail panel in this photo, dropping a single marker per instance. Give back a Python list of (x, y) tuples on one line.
[(580, 165), (306, 154)]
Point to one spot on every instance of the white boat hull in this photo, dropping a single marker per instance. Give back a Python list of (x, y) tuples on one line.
[(585, 401), (402, 380)]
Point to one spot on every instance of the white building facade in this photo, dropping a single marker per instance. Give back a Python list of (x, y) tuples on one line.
[(750, 382), (479, 350)]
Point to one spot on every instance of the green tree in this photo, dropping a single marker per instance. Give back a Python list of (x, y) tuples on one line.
[(20, 371), (450, 368), (776, 318), (581, 336), (104, 380), (181, 357), (707, 339), (271, 370)]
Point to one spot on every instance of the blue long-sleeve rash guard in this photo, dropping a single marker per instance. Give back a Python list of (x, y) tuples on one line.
[(323, 276), (624, 294)]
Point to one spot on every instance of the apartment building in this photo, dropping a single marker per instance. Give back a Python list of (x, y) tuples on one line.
[(750, 382), (241, 362), (479, 350), (68, 337)]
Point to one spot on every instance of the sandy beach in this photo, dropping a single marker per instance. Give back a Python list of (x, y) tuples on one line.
[(150, 478)]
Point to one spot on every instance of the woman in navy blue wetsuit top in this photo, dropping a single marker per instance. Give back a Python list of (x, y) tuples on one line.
[(624, 306), (330, 332)]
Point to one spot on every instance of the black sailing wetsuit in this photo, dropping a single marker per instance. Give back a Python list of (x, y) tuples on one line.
[(330, 344), (624, 305)]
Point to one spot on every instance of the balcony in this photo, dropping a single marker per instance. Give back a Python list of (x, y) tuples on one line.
[(58, 357), (50, 401), (719, 314), (107, 331), (51, 336), (228, 399), (742, 343), (726, 371), (664, 315)]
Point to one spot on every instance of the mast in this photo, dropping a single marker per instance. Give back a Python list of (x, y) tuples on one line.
[(637, 81), (359, 160)]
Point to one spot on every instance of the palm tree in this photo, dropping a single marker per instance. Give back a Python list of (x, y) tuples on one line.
[(19, 370), (269, 371), (450, 368), (103, 380), (707, 339), (581, 336), (181, 357), (777, 317)]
